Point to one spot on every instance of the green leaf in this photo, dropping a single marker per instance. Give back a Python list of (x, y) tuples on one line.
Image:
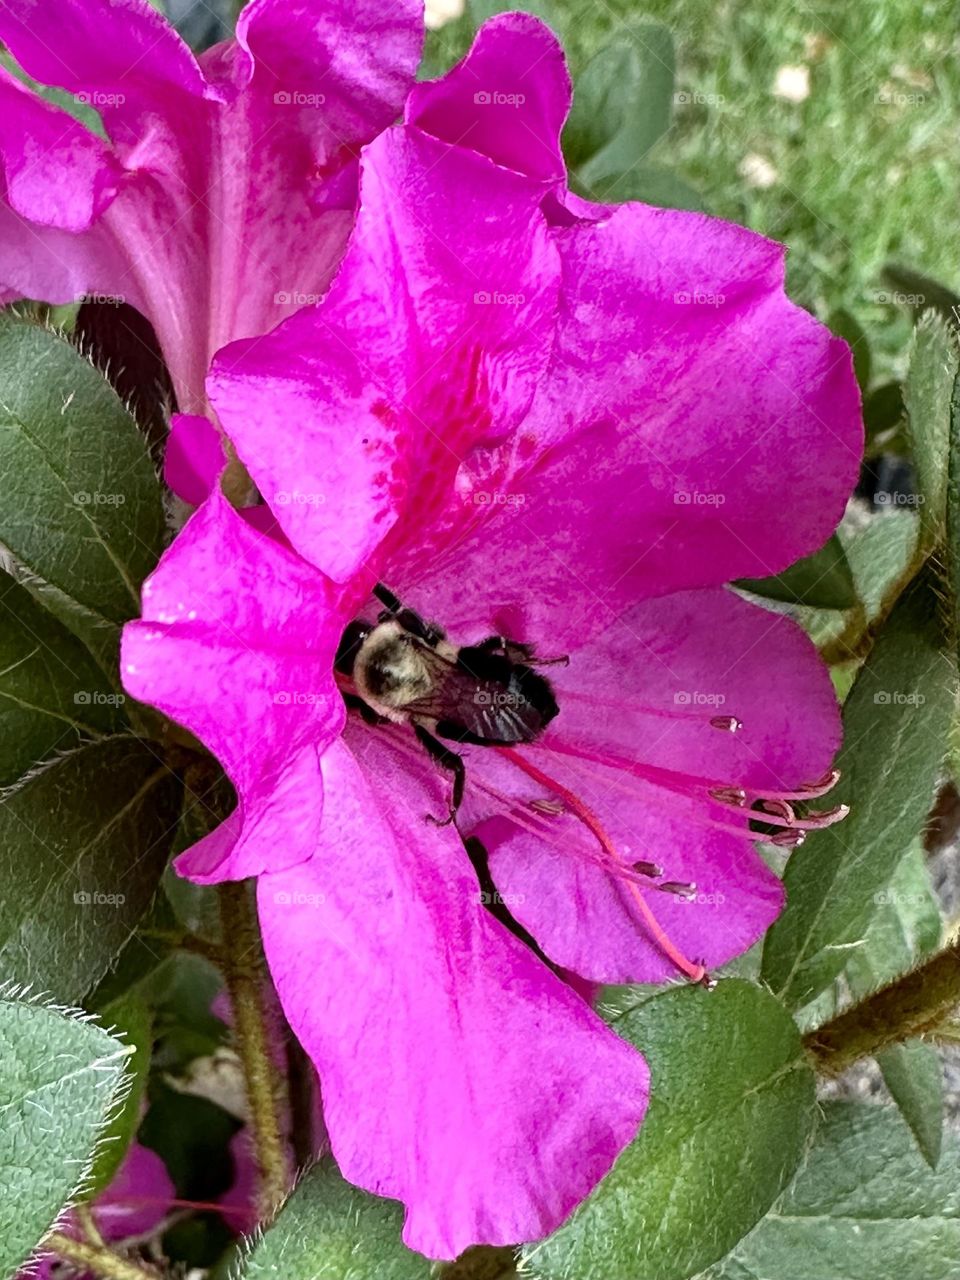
[(845, 325), (329, 1230), (823, 580), (905, 929), (648, 183), (732, 1105), (481, 10), (82, 848), (895, 726), (934, 362), (622, 103), (913, 289), (59, 1078), (80, 505), (863, 1205), (883, 410), (52, 693), (914, 1075), (133, 1020)]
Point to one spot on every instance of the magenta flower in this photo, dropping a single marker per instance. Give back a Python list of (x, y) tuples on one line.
[(222, 195), (565, 424), (136, 1201)]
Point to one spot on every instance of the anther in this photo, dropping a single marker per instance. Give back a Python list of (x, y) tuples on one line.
[(735, 796), (777, 808), (648, 869), (789, 839), (728, 724), (677, 887), (553, 807)]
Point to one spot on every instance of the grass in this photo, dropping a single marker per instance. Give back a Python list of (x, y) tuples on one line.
[(866, 167)]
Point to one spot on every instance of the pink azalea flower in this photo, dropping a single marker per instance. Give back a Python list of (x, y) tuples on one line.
[(568, 425), (221, 197), (136, 1201)]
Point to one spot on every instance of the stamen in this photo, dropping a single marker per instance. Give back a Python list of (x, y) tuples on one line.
[(552, 807), (651, 869), (735, 796), (728, 724), (677, 887), (791, 839), (695, 972)]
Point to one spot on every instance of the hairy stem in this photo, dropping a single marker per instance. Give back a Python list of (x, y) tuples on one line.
[(482, 1262), (247, 981), (913, 1005), (101, 1261)]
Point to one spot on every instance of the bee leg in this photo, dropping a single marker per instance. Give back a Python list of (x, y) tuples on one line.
[(447, 759), (367, 712), (516, 651)]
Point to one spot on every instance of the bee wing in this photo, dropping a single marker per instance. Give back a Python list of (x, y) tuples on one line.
[(471, 704)]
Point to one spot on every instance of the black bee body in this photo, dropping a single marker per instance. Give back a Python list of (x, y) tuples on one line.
[(406, 671)]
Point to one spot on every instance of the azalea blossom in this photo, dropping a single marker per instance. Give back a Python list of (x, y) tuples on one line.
[(137, 1200), (565, 424), (214, 193)]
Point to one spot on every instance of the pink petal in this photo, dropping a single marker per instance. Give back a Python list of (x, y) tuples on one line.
[(633, 742), (667, 437), (194, 457), (459, 1075), (507, 99), (39, 145), (345, 66), (238, 198), (428, 345), (107, 49), (138, 1198), (236, 644)]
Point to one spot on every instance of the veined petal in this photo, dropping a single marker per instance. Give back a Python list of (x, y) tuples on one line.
[(634, 743), (507, 99), (425, 352), (340, 69), (481, 1146), (685, 395), (57, 173), (236, 644)]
